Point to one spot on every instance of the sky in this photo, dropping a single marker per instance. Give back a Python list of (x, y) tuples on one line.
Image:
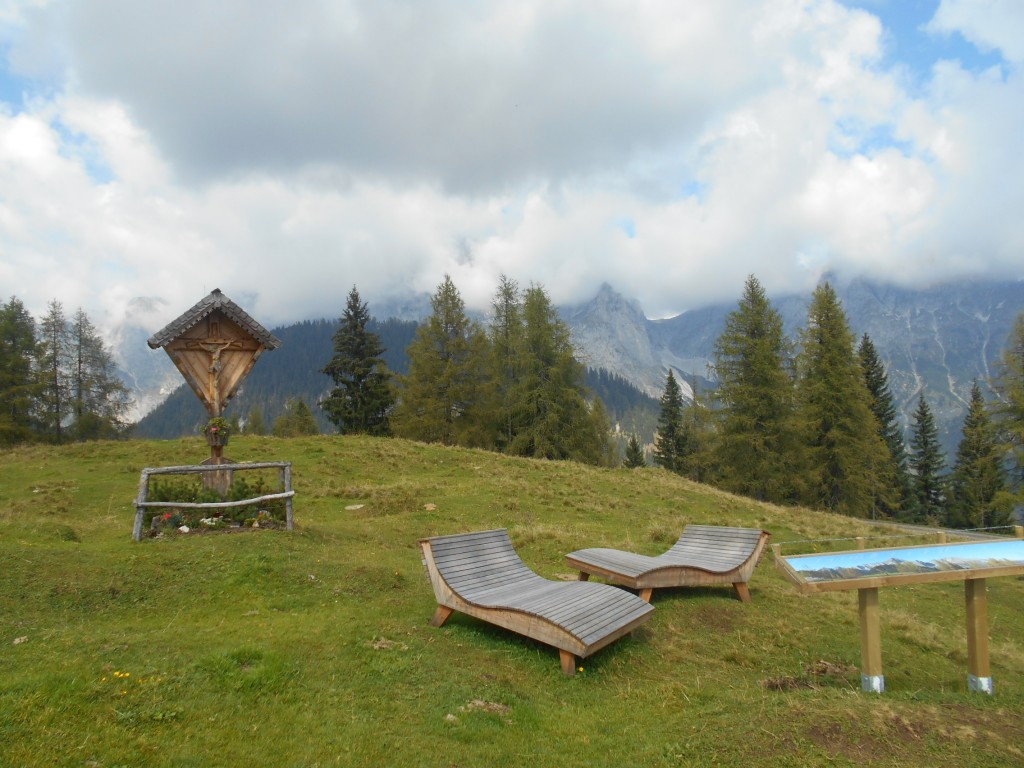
[(285, 152)]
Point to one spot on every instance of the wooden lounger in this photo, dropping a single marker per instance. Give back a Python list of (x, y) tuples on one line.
[(481, 575), (704, 555)]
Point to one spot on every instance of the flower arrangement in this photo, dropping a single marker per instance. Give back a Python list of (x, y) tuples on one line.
[(217, 426)]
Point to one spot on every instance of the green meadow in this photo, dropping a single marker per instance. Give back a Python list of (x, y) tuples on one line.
[(312, 648)]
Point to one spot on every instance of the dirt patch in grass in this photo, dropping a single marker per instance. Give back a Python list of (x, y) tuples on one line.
[(715, 618), (887, 733)]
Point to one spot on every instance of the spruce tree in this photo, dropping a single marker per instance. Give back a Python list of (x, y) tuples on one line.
[(441, 399), (976, 486), (19, 383), (697, 458), (296, 421), (99, 399), (362, 399), (755, 436), (506, 333), (634, 453), (254, 424), (54, 363), (668, 446), (846, 456), (894, 491), (549, 399), (1008, 412), (926, 465)]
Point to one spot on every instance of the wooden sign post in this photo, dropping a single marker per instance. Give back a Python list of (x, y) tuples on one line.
[(215, 345), (867, 571)]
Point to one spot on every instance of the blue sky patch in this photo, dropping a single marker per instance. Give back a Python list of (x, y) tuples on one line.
[(907, 42)]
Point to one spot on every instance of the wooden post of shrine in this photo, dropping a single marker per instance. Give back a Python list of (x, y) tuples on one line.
[(214, 346)]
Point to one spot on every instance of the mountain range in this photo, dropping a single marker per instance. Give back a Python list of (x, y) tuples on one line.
[(936, 340)]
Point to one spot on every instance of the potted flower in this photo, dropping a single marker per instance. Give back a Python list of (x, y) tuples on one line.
[(217, 431)]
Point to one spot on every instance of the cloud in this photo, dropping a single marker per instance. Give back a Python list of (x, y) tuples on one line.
[(989, 24), (669, 149)]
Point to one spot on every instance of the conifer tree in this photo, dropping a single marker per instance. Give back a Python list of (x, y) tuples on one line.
[(254, 424), (19, 384), (1008, 413), (549, 398), (634, 453), (894, 493), (441, 398), (696, 444), (668, 447), (361, 400), (976, 486), (54, 363), (926, 465), (99, 399), (296, 421), (506, 333), (755, 436), (845, 454)]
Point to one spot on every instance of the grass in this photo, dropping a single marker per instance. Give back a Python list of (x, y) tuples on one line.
[(313, 649)]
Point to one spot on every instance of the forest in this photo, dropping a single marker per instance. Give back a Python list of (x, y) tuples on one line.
[(807, 421)]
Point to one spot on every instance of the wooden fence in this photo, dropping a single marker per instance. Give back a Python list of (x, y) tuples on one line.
[(142, 504)]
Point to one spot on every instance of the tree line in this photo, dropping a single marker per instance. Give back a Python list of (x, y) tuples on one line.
[(814, 423), (512, 385), (58, 381), (810, 421)]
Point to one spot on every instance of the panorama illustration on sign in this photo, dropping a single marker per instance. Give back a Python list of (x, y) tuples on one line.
[(908, 560)]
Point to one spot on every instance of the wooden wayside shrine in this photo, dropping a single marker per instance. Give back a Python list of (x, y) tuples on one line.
[(214, 345)]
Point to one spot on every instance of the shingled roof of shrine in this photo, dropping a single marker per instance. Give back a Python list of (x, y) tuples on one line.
[(216, 300)]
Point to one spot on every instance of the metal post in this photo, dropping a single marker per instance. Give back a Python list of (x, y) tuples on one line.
[(871, 677), (979, 676)]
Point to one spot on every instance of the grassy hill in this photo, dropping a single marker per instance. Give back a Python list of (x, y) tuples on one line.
[(313, 648)]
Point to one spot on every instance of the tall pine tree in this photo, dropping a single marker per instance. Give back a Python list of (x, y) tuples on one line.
[(54, 363), (361, 400), (554, 418), (846, 456), (99, 399), (697, 458), (755, 437), (441, 398), (926, 465), (507, 340), (668, 441), (976, 498), (893, 491), (19, 383)]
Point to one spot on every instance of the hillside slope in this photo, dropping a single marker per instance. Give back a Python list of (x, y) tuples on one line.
[(269, 648)]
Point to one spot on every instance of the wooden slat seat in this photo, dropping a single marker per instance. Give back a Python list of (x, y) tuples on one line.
[(704, 555), (481, 575)]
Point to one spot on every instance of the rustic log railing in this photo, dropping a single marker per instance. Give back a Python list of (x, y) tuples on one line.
[(142, 504)]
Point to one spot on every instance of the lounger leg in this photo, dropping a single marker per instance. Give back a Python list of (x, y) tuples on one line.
[(568, 662), (645, 594), (742, 591), (441, 615), (584, 576)]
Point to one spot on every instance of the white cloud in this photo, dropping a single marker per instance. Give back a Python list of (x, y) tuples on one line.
[(669, 149), (989, 24)]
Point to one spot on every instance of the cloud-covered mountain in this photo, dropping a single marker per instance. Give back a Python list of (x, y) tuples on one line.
[(936, 340)]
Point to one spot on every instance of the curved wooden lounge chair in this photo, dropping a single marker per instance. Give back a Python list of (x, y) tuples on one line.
[(481, 575), (704, 555)]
